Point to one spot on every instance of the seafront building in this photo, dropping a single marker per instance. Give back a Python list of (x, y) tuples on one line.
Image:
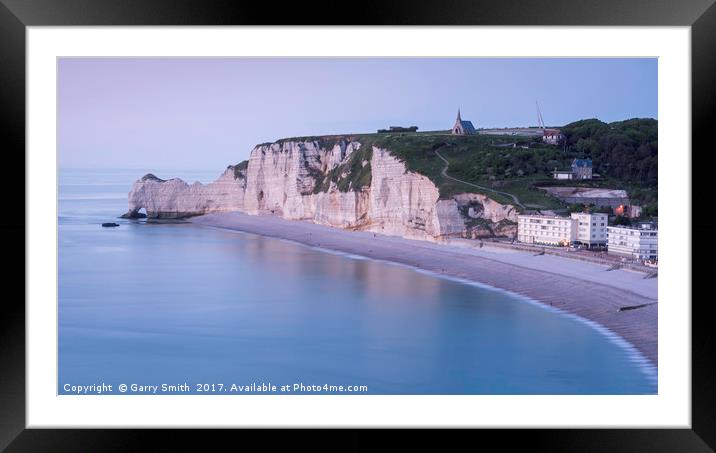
[(546, 230), (636, 242), (591, 228)]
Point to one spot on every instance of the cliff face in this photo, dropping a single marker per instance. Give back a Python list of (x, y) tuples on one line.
[(342, 184), (404, 203), (282, 179), (174, 198)]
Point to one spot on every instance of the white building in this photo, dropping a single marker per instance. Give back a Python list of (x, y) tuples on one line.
[(637, 242), (548, 230), (591, 228), (552, 136), (557, 174)]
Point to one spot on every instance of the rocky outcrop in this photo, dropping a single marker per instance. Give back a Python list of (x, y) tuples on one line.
[(341, 183), (174, 198), (484, 217)]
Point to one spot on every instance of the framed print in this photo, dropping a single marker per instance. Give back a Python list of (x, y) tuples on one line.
[(393, 223)]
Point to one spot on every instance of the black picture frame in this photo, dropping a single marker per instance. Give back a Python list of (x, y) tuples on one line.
[(16, 15)]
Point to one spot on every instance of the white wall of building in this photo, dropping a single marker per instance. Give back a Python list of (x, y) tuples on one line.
[(591, 228), (633, 242), (562, 175), (548, 230)]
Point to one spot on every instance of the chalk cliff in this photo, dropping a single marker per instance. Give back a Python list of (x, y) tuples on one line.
[(342, 183), (174, 198)]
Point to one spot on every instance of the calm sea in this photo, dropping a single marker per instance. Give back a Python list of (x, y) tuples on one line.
[(228, 312)]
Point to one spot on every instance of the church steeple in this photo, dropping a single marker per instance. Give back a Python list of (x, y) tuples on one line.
[(462, 127)]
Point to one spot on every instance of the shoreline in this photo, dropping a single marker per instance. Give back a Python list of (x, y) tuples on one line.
[(579, 288)]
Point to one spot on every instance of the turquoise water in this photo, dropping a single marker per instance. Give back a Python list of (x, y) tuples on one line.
[(179, 304)]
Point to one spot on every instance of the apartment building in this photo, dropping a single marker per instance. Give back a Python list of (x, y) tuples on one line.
[(546, 230), (591, 228), (636, 242)]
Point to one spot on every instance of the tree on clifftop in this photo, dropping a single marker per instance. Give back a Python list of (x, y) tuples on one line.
[(627, 150)]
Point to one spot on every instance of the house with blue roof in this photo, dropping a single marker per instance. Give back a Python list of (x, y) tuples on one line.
[(582, 168), (463, 127)]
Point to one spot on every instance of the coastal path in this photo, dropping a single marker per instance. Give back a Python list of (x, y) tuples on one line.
[(444, 173)]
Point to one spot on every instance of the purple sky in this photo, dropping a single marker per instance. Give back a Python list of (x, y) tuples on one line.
[(206, 113)]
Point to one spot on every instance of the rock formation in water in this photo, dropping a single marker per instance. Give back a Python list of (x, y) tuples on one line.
[(342, 184), (175, 199)]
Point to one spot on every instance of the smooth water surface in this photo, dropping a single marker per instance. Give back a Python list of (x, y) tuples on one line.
[(171, 304)]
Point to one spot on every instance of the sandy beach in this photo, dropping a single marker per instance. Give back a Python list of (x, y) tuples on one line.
[(585, 289)]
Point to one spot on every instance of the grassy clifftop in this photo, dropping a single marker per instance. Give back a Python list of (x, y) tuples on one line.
[(483, 160), (624, 153)]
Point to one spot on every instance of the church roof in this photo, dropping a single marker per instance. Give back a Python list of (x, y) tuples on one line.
[(467, 126)]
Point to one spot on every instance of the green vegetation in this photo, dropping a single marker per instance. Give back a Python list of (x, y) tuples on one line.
[(479, 222), (478, 159), (621, 220), (624, 153), (152, 177), (239, 168), (393, 129), (525, 188), (351, 175), (324, 141), (625, 150)]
